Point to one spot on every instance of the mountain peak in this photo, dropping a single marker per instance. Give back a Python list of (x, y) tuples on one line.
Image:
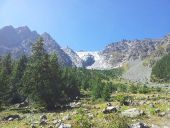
[(8, 27)]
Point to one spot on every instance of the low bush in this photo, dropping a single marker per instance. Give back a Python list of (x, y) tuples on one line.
[(115, 121)]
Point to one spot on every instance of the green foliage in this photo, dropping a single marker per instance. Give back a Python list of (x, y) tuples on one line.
[(161, 70), (5, 72), (115, 121), (158, 89), (39, 78), (144, 89), (106, 93), (122, 87), (97, 89), (82, 120), (42, 81), (133, 88), (15, 80), (122, 99)]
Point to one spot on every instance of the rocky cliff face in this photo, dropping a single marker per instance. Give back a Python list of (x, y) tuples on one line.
[(78, 62), (19, 40)]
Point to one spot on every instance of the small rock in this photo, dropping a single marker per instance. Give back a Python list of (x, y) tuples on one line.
[(65, 125), (109, 104), (151, 105), (139, 125), (55, 121), (12, 117), (23, 104), (75, 104), (110, 109), (43, 120), (43, 117), (161, 114), (90, 115), (157, 110)]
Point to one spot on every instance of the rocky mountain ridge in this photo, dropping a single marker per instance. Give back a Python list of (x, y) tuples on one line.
[(19, 40)]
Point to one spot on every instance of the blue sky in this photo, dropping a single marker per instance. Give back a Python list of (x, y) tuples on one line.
[(89, 24)]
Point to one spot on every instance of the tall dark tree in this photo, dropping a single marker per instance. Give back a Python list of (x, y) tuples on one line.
[(16, 77), (41, 79), (5, 72)]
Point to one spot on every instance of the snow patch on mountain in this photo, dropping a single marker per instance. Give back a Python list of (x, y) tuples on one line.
[(99, 60)]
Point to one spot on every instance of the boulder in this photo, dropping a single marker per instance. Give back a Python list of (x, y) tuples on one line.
[(62, 125), (161, 114), (75, 104), (134, 112), (139, 125), (12, 117), (110, 109)]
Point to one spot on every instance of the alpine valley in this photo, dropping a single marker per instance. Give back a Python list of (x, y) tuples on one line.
[(135, 55)]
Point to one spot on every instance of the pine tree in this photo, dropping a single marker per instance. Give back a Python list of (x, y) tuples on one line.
[(15, 80), (5, 72), (97, 88), (106, 93), (41, 80)]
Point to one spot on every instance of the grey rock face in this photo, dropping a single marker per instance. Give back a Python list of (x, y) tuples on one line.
[(78, 62), (19, 41)]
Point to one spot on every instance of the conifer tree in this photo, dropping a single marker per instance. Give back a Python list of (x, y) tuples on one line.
[(15, 80)]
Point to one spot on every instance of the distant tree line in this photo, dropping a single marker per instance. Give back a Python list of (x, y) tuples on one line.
[(161, 70)]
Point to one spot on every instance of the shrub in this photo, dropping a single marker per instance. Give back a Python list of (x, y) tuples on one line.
[(144, 89), (82, 120), (158, 89), (106, 93), (133, 88), (123, 99), (115, 121), (122, 88)]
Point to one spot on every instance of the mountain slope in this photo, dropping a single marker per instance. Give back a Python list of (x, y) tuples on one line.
[(139, 55), (19, 40)]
